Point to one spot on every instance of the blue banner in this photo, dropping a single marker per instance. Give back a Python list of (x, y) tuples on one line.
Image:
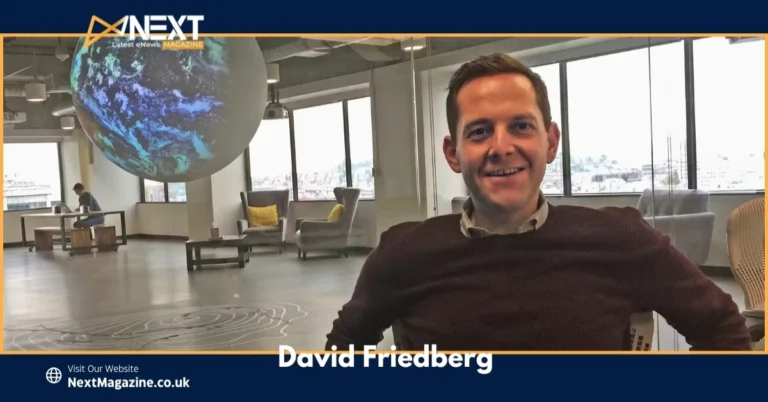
[(380, 377), (407, 17)]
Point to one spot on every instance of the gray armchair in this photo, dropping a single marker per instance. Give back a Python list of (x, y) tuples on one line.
[(684, 216), (457, 204), (329, 236), (265, 235)]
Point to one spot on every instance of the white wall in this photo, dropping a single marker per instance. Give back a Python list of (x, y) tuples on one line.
[(163, 219)]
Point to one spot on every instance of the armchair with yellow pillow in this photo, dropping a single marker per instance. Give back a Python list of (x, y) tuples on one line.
[(330, 234), (265, 214)]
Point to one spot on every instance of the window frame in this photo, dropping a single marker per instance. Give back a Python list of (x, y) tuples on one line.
[(62, 189), (292, 132), (143, 198)]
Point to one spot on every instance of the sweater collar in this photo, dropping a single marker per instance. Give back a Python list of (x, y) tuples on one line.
[(471, 230)]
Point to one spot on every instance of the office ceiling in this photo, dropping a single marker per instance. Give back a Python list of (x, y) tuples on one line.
[(301, 60)]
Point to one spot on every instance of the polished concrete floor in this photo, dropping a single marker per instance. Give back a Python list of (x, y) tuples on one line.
[(143, 298)]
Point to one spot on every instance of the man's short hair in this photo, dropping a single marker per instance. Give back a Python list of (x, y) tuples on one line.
[(485, 66), (78, 186)]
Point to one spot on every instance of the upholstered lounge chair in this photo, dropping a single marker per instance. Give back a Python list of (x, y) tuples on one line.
[(322, 235), (265, 235)]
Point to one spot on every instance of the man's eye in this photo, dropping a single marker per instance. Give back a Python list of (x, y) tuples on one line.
[(478, 131), (521, 126)]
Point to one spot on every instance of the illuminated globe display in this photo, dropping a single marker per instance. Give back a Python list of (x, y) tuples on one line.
[(170, 115)]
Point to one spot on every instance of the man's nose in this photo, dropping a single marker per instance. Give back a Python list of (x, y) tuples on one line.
[(502, 143)]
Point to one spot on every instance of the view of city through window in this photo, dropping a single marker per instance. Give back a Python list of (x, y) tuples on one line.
[(154, 191), (320, 151), (31, 177), (730, 114), (627, 119)]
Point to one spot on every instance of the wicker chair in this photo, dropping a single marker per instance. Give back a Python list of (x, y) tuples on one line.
[(746, 242)]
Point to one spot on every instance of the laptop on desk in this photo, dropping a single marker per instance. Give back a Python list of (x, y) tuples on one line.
[(62, 209)]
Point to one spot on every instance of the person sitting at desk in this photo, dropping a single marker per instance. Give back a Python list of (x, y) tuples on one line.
[(87, 199)]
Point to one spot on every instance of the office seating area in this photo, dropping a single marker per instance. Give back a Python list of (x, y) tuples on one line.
[(267, 250)]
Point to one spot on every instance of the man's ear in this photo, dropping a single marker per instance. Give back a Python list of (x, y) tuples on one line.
[(553, 141), (449, 149)]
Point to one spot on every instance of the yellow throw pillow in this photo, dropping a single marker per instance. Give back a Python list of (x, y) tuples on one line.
[(262, 216), (336, 213)]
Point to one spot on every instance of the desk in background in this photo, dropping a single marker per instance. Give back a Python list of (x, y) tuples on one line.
[(76, 215)]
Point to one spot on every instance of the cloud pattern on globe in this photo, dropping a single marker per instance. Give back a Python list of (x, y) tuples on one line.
[(170, 115)]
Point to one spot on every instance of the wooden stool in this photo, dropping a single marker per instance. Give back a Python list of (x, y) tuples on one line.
[(105, 237), (44, 238), (80, 241)]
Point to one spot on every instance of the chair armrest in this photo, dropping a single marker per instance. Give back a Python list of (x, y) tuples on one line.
[(308, 226), (759, 314), (242, 224), (300, 220)]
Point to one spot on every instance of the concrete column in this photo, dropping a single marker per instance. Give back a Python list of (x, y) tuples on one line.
[(199, 208), (215, 200), (400, 176)]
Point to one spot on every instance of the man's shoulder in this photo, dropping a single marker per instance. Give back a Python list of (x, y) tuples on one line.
[(623, 226), (419, 234), (437, 224)]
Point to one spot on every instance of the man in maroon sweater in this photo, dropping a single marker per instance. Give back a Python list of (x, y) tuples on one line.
[(513, 272)]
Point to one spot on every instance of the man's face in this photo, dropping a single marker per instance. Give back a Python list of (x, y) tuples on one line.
[(502, 146), (79, 191)]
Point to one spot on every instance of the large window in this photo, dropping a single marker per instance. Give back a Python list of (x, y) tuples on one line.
[(315, 150), (269, 157), (31, 176), (361, 145), (553, 178), (155, 191), (729, 88), (621, 108), (320, 155)]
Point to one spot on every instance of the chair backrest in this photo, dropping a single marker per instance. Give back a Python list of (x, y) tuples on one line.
[(266, 198), (664, 202), (641, 327), (349, 197), (759, 346), (745, 236), (457, 204)]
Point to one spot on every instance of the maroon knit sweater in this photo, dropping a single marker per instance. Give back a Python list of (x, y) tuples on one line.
[(570, 285)]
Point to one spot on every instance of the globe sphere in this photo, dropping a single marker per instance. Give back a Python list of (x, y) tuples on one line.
[(169, 115)]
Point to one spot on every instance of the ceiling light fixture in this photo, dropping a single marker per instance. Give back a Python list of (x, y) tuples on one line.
[(413, 44), (274, 110), (67, 122), (35, 92)]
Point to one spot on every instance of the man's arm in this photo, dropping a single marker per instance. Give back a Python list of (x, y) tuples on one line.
[(374, 304), (668, 282)]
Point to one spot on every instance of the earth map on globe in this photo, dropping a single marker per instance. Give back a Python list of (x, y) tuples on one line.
[(169, 115)]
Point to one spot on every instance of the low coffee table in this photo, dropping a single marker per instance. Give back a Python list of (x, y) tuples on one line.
[(237, 241)]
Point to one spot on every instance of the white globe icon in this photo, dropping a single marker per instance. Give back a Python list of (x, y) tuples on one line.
[(53, 375)]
